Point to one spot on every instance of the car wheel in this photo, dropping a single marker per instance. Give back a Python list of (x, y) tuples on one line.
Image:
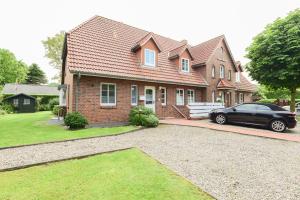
[(220, 119), (278, 125)]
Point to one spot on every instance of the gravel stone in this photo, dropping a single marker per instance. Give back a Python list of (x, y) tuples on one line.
[(228, 166)]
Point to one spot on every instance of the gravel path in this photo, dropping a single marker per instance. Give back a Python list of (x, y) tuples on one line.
[(228, 166)]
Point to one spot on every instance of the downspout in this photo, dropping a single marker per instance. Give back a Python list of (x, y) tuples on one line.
[(77, 91)]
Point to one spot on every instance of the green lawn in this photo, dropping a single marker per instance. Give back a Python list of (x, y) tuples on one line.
[(19, 129), (128, 175)]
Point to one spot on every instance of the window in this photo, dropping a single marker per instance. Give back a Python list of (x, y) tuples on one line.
[(248, 107), (150, 57), (222, 71), (241, 98), (16, 102), (213, 97), (62, 97), (185, 65), (26, 101), (180, 97), (229, 75), (163, 96), (221, 53), (134, 95), (191, 96), (262, 108), (238, 76), (213, 71), (108, 94)]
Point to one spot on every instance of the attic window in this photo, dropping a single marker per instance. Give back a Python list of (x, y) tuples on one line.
[(185, 65), (149, 57)]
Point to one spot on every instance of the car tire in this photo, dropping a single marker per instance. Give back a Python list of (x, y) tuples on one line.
[(220, 119), (278, 125)]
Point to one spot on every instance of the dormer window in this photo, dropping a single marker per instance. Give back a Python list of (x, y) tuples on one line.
[(185, 65), (149, 58)]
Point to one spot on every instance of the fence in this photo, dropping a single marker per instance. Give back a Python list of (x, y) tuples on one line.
[(201, 109)]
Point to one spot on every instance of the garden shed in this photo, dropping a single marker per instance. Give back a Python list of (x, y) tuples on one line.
[(22, 103)]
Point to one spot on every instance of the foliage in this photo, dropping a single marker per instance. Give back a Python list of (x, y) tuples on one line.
[(275, 55), (35, 75), (142, 116), (33, 128), (3, 112), (8, 108), (54, 47), (271, 101), (55, 110), (11, 69), (120, 175), (75, 120), (268, 92), (53, 102)]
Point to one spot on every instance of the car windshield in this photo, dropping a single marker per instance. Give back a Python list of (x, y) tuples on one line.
[(246, 107)]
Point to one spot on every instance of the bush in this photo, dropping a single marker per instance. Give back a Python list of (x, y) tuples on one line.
[(272, 101), (8, 108), (142, 116), (43, 107), (55, 110), (53, 102), (3, 112), (75, 120)]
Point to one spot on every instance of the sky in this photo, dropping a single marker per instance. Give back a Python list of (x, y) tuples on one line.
[(24, 24)]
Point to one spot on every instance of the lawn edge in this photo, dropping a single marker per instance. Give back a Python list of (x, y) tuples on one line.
[(70, 140)]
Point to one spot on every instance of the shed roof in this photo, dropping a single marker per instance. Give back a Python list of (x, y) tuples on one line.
[(40, 90)]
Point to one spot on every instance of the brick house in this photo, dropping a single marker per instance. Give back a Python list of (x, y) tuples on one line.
[(109, 67)]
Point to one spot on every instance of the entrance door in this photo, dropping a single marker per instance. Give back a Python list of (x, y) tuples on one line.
[(150, 97)]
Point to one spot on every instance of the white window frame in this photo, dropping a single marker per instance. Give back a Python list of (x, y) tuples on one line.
[(16, 102), (165, 95), (229, 75), (137, 95), (188, 96), (154, 58), (222, 71), (213, 72), (213, 96), (241, 97), (108, 104), (26, 102), (177, 103), (238, 76), (188, 65)]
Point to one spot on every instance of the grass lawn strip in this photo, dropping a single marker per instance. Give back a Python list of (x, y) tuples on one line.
[(128, 174), (23, 129)]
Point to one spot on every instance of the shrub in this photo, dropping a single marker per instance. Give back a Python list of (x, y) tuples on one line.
[(75, 120), (8, 108), (142, 116), (53, 102), (3, 112), (43, 107), (267, 101), (55, 110)]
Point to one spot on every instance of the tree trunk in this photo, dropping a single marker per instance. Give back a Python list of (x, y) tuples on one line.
[(293, 98)]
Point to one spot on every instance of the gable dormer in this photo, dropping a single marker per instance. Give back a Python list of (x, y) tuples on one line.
[(147, 49), (182, 57)]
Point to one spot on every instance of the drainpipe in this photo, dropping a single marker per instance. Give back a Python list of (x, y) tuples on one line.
[(77, 91)]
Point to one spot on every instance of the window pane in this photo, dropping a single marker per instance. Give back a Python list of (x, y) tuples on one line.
[(246, 107), (134, 94), (111, 94), (262, 107), (179, 97)]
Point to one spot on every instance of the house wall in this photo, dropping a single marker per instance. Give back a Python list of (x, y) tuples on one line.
[(89, 99), (68, 80)]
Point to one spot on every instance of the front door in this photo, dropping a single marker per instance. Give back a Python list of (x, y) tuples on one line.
[(150, 97)]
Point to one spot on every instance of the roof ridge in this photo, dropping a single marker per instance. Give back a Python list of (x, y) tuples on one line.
[(220, 36), (82, 24)]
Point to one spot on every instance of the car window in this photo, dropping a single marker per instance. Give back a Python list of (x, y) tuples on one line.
[(247, 107), (262, 108)]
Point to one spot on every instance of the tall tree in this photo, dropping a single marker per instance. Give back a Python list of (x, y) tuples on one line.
[(11, 69), (275, 55), (53, 47), (35, 75)]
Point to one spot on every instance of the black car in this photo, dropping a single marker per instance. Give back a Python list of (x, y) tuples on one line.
[(266, 115)]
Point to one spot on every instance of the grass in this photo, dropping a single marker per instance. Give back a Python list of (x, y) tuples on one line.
[(20, 129), (123, 175), (298, 118)]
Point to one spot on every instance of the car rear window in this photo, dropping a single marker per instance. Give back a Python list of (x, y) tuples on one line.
[(277, 108)]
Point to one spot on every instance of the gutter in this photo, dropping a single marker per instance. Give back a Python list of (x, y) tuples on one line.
[(77, 93)]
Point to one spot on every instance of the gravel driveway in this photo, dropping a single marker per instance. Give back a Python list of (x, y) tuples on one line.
[(226, 165)]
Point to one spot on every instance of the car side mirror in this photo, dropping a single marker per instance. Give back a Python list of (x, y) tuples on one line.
[(234, 109)]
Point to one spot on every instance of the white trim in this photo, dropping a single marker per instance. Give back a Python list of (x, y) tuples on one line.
[(222, 72), (26, 102), (165, 97), (16, 102), (241, 97), (188, 63), (213, 71), (178, 89), (238, 76), (137, 95), (149, 64), (152, 106), (193, 100), (108, 104), (229, 75)]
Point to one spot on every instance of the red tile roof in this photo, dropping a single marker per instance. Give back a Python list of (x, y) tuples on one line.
[(102, 47), (144, 40), (175, 53), (245, 85), (224, 84)]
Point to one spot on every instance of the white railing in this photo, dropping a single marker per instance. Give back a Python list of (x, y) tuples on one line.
[(201, 109)]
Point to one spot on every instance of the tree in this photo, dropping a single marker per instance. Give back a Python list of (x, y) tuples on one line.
[(270, 93), (35, 75), (53, 47), (275, 55), (11, 69)]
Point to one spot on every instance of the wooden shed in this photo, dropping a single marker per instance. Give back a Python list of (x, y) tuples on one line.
[(22, 102)]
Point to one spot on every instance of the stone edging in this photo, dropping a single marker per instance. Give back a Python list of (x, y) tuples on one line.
[(70, 140)]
